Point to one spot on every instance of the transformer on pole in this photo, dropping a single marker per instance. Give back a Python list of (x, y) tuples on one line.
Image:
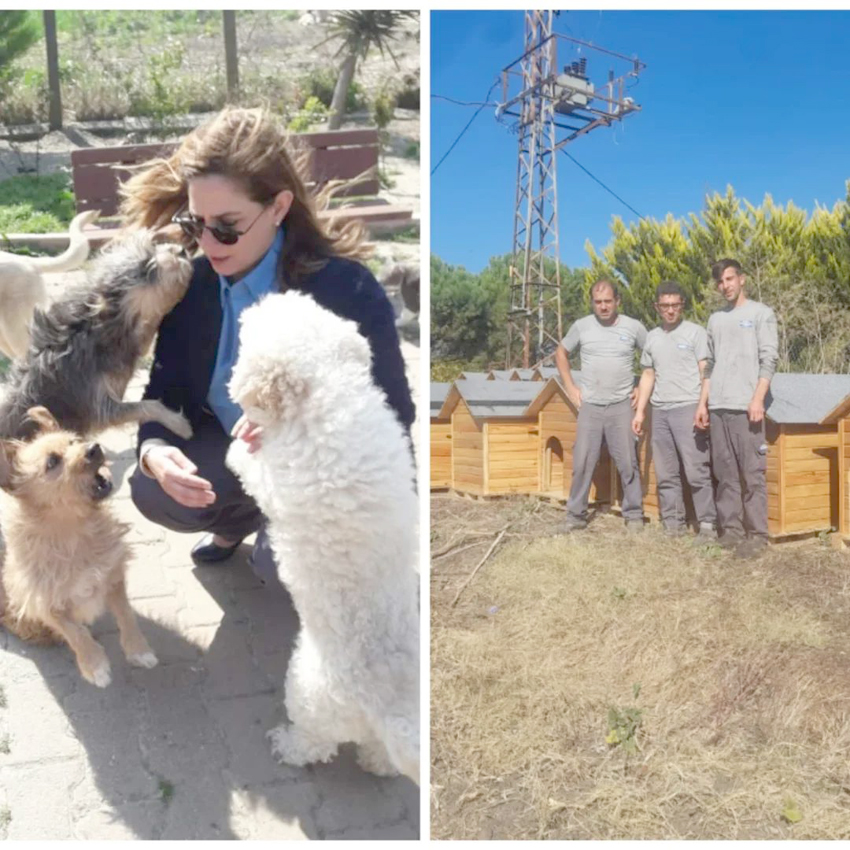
[(549, 101)]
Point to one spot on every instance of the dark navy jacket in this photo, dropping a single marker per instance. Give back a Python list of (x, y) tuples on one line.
[(188, 339)]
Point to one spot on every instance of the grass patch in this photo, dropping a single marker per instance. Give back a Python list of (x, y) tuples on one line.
[(412, 151), (3, 702), (36, 204), (538, 728), (166, 791), (408, 235), (5, 745), (5, 817)]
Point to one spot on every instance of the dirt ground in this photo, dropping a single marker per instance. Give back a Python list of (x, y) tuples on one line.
[(603, 686)]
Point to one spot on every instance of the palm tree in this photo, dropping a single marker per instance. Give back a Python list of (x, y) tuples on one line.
[(360, 31)]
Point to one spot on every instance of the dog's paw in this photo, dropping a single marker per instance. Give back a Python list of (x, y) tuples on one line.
[(100, 675), (143, 659)]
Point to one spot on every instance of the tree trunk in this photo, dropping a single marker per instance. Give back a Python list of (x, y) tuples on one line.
[(55, 104), (343, 81), (231, 60)]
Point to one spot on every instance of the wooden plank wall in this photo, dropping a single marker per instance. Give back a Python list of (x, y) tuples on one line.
[(844, 476), (558, 420), (809, 481), (512, 450), (467, 451), (441, 454)]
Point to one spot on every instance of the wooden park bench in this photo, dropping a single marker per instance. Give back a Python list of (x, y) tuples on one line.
[(350, 155)]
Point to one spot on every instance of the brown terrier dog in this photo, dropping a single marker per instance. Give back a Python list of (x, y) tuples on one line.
[(66, 554)]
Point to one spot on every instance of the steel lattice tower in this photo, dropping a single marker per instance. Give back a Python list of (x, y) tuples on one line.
[(534, 318), (549, 100)]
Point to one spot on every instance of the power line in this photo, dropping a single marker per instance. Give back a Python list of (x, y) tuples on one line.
[(610, 191), (463, 102), (468, 124)]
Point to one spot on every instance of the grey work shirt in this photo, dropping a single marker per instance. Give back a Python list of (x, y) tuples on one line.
[(675, 356), (607, 357), (743, 346)]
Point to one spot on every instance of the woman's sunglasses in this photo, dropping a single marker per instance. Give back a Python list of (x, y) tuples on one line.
[(193, 227)]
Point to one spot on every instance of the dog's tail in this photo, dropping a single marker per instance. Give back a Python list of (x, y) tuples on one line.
[(29, 630), (77, 251)]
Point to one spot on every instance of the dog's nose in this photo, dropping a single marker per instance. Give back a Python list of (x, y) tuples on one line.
[(94, 453)]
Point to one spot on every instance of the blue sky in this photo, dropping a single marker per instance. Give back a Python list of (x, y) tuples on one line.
[(757, 100)]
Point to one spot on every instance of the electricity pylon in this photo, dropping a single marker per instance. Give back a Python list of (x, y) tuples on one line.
[(534, 315)]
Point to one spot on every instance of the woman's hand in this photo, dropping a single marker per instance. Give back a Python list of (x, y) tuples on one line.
[(249, 431), (176, 475)]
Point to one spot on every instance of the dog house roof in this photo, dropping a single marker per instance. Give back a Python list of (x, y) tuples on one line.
[(806, 399), (439, 391)]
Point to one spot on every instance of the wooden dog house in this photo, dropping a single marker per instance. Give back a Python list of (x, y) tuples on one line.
[(441, 440), (506, 437), (802, 419)]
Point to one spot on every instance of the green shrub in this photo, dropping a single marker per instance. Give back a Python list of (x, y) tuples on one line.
[(313, 112), (321, 83), (408, 95)]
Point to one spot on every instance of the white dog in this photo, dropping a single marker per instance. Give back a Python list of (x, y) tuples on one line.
[(334, 476), (22, 289)]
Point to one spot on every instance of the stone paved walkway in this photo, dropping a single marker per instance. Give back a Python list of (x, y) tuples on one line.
[(178, 751)]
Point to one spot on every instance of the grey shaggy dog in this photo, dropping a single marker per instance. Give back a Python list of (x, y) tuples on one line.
[(85, 347)]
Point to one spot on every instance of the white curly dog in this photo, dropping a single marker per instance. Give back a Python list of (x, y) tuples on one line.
[(335, 478)]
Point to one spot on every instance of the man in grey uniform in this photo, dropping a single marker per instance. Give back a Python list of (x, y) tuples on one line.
[(607, 342), (743, 348), (673, 361)]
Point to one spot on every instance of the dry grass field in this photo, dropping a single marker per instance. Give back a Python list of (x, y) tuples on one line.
[(610, 686)]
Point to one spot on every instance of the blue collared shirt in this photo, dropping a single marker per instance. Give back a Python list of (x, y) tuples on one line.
[(235, 297)]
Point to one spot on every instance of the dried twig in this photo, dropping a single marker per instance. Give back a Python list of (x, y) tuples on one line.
[(457, 541), (480, 564), (457, 551)]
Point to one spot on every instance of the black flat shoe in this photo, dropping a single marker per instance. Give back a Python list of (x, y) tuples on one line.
[(207, 552)]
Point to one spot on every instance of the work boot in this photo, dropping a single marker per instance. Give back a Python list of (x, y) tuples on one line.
[(752, 547), (707, 533), (729, 541), (673, 529), (573, 523)]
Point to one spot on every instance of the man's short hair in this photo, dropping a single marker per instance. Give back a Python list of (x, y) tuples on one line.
[(669, 287), (600, 283), (720, 266)]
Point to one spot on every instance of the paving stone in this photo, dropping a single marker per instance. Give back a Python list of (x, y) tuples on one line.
[(199, 808), (139, 820), (36, 724), (395, 832), (243, 723), (39, 800), (179, 738), (116, 773), (274, 814), (230, 667), (23, 661), (274, 622), (352, 798), (199, 607)]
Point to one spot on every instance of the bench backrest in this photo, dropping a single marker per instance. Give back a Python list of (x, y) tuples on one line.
[(337, 155)]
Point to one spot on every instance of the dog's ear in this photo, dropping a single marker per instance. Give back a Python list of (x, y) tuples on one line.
[(8, 452), (43, 418)]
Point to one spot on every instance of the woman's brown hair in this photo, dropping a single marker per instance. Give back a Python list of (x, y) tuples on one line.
[(248, 146)]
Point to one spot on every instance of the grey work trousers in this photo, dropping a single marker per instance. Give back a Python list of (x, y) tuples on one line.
[(233, 515), (739, 457), (677, 445), (613, 423)]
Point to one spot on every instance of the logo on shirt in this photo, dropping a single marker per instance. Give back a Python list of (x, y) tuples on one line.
[(763, 449), (746, 323), (625, 338), (684, 346)]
